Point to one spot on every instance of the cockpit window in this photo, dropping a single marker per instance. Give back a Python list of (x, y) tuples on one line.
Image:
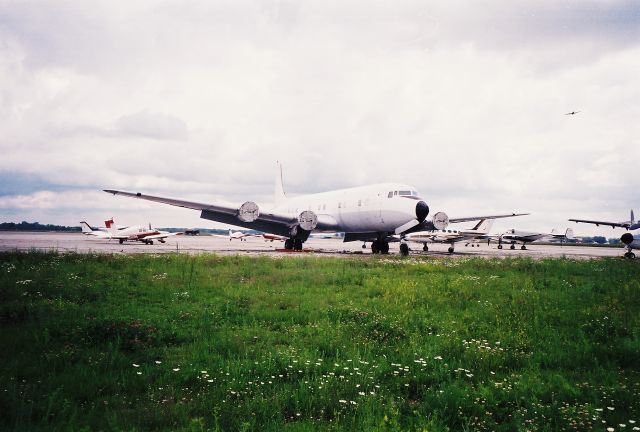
[(405, 193)]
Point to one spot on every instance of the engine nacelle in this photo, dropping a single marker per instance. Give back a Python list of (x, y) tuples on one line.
[(248, 212), (308, 220), (440, 220), (627, 238)]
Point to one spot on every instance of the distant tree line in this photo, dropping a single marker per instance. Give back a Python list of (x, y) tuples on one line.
[(36, 226), (601, 240)]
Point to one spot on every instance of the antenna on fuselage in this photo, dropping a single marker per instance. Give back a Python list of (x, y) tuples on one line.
[(278, 195)]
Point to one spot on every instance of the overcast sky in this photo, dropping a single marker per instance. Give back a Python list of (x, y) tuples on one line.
[(464, 100)]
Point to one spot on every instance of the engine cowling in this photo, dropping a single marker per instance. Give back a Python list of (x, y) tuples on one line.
[(248, 212), (626, 238), (440, 220), (308, 220)]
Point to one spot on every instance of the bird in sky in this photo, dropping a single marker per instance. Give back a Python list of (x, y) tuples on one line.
[(572, 113)]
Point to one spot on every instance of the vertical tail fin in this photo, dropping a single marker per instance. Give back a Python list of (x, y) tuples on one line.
[(633, 219), (568, 234), (278, 195), (111, 226), (86, 228)]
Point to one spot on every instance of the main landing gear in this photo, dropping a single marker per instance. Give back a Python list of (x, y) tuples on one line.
[(380, 246), (523, 247), (450, 249), (425, 247), (630, 255), (404, 249), (293, 244)]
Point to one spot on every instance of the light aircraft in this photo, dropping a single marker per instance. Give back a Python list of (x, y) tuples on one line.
[(514, 237), (132, 233), (451, 236), (626, 238), (273, 237), (239, 235), (371, 213)]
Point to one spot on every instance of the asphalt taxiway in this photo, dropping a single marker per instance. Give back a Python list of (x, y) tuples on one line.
[(76, 242)]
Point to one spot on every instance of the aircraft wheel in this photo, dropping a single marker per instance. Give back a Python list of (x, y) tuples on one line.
[(425, 248), (512, 247), (297, 245), (523, 247), (364, 245), (150, 242), (121, 241), (374, 247), (288, 244), (451, 249), (499, 246), (404, 249), (384, 247), (630, 255)]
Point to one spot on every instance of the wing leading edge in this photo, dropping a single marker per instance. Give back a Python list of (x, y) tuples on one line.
[(231, 214), (605, 223), (475, 218)]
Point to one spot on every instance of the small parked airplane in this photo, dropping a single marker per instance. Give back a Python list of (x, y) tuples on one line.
[(132, 233), (514, 236), (479, 231), (626, 238), (239, 235), (373, 213)]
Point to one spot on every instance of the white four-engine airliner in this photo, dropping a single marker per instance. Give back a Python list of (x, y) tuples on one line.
[(372, 213)]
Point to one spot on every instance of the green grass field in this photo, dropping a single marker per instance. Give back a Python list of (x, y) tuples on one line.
[(176, 342)]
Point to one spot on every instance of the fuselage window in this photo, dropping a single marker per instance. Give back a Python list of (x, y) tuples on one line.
[(395, 192), (359, 203), (390, 194)]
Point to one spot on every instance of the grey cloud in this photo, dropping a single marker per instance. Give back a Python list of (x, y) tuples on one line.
[(152, 125)]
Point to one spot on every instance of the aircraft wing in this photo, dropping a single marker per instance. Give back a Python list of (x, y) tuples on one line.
[(475, 218), (160, 236), (243, 215), (605, 223)]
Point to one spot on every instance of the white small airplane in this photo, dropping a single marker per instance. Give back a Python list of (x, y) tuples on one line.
[(273, 237), (131, 233), (451, 236), (626, 238), (373, 213), (239, 235), (514, 237)]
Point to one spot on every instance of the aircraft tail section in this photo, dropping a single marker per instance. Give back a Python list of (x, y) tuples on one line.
[(484, 225), (111, 226), (86, 228), (633, 219), (568, 234), (278, 195)]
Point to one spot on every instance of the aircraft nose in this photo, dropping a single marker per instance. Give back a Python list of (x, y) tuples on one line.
[(422, 211)]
